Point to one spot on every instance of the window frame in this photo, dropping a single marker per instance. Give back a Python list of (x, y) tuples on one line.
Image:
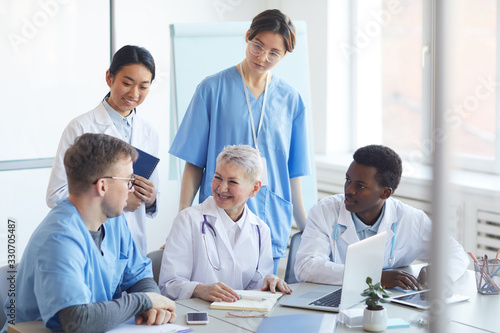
[(428, 133)]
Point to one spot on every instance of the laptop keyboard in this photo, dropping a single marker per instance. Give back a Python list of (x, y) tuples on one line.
[(330, 300)]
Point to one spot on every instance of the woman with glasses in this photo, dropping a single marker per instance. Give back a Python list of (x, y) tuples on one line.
[(129, 78), (247, 104)]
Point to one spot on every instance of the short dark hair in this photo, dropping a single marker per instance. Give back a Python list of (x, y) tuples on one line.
[(91, 156), (387, 162), (274, 21), (130, 55)]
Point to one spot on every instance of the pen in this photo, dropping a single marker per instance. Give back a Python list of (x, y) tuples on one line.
[(252, 298), (486, 276), (495, 272), (485, 266)]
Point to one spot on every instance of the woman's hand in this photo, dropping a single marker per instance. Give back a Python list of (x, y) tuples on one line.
[(272, 281), (145, 190), (217, 292)]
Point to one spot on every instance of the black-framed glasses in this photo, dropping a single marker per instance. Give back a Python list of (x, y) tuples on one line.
[(257, 50), (130, 183)]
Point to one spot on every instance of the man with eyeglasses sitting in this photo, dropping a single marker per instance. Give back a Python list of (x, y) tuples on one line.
[(82, 256)]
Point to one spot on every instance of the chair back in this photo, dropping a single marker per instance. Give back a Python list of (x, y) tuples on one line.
[(155, 257), (290, 264)]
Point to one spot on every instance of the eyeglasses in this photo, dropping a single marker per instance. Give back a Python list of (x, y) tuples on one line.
[(247, 314), (257, 50), (131, 180)]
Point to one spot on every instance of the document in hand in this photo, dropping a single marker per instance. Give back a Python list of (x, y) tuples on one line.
[(313, 323), (251, 300), (145, 164)]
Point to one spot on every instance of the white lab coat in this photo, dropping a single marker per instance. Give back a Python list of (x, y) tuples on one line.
[(144, 137), (185, 263), (412, 240)]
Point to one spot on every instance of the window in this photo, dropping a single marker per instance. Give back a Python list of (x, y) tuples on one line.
[(473, 86), (391, 70)]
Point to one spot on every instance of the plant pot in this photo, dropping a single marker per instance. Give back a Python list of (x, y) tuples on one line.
[(375, 320)]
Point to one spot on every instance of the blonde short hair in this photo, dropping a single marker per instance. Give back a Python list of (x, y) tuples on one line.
[(244, 157)]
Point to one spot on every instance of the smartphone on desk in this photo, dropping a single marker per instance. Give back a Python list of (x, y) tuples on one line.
[(196, 318)]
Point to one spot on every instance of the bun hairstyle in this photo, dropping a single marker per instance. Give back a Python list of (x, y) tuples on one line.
[(130, 55), (276, 22)]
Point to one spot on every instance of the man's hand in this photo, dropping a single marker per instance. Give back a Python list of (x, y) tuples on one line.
[(162, 311), (423, 276), (396, 278), (272, 281), (217, 292)]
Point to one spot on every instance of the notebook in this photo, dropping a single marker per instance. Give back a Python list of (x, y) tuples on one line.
[(420, 299), (364, 258), (145, 164), (311, 323), (265, 303)]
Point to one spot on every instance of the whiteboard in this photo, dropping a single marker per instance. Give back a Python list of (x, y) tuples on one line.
[(53, 63), (202, 49)]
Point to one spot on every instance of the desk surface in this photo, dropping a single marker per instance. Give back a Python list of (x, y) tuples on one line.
[(252, 324), (479, 314)]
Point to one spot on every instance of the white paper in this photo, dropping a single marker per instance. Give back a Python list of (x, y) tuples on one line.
[(131, 326)]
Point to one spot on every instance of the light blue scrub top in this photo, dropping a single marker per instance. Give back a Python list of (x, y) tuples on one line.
[(62, 266), (218, 116)]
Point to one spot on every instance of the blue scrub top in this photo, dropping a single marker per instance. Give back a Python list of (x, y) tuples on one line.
[(62, 266), (218, 116)]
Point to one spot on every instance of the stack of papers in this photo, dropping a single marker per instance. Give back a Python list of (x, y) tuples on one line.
[(257, 301), (131, 326)]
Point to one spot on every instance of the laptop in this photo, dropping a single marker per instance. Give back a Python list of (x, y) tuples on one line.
[(420, 299), (364, 258)]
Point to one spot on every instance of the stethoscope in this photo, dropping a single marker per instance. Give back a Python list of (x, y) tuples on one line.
[(335, 236), (257, 275)]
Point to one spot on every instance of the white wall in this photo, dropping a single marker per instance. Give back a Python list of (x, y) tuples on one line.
[(315, 15), (70, 29)]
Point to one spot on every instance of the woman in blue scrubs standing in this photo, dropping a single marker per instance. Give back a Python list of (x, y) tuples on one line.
[(247, 104)]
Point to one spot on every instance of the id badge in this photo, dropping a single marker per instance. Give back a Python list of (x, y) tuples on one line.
[(263, 178)]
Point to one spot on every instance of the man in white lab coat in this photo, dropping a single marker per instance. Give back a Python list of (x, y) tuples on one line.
[(220, 246), (365, 209)]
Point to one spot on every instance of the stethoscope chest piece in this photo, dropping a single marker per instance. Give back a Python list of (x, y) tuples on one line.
[(256, 278)]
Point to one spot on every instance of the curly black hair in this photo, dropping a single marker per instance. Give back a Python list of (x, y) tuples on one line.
[(387, 162)]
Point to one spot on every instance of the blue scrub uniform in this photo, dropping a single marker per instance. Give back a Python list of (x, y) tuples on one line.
[(218, 116), (62, 266)]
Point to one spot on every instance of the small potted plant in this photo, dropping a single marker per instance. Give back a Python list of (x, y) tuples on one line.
[(375, 315)]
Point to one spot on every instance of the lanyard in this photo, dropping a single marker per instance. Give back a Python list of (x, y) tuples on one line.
[(250, 108)]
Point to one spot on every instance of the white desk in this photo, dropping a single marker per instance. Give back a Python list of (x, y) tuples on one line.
[(481, 311), (252, 324), (479, 314)]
